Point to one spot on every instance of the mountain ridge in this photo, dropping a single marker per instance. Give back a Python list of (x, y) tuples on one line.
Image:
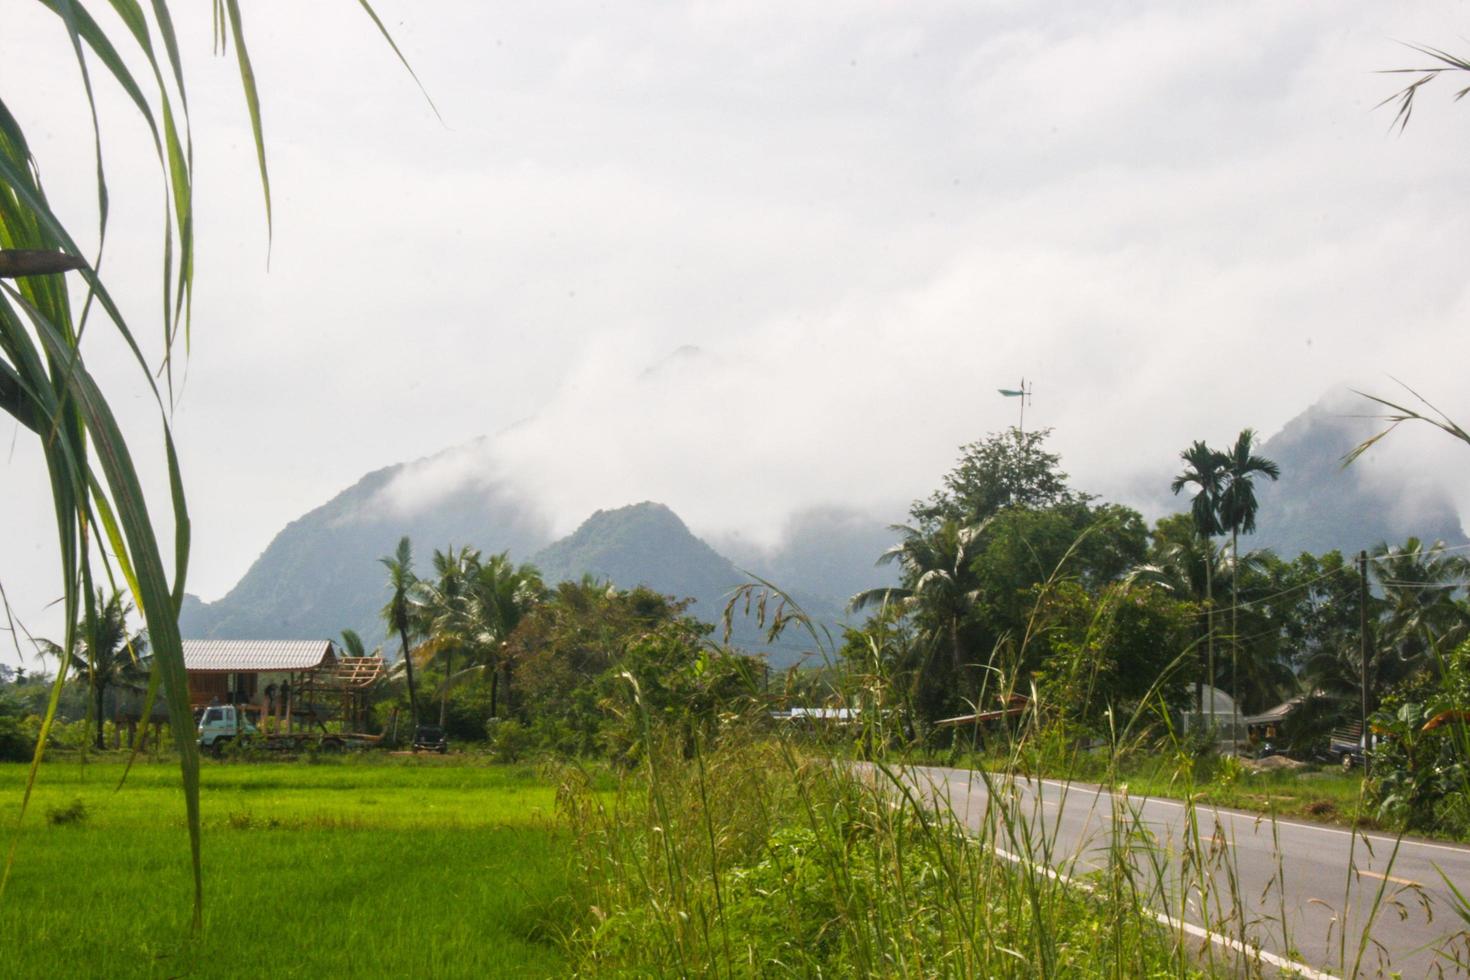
[(321, 572)]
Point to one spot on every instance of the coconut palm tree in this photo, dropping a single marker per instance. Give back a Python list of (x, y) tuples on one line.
[(353, 646), (445, 612), (939, 587), (501, 594), (105, 651), (399, 612), (1238, 506), (1421, 616), (1204, 469)]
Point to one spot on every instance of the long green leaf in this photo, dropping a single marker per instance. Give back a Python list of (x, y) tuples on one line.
[(157, 603), (368, 7), (252, 101)]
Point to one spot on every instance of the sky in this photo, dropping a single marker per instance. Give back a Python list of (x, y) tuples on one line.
[(751, 258)]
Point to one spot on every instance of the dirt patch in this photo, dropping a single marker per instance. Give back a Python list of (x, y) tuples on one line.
[(1322, 808), (1274, 763)]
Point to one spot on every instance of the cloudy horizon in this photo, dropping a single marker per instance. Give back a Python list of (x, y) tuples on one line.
[(854, 224)]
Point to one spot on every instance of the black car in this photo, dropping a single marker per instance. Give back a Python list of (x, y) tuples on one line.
[(430, 738)]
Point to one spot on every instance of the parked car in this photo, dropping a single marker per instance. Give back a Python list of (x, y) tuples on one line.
[(430, 738), (1348, 746)]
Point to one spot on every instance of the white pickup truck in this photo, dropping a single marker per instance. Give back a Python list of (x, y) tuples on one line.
[(222, 724)]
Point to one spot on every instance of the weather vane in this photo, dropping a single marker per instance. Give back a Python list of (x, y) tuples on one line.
[(1023, 393)]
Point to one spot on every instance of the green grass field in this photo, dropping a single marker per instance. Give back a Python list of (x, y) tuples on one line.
[(368, 866)]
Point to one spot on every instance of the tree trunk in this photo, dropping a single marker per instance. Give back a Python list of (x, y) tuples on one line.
[(494, 689), (100, 721), (1234, 633), (1209, 630), (444, 697), (954, 652), (413, 701)]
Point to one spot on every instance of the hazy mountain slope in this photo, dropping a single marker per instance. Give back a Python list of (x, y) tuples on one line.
[(321, 573), (1317, 505), (830, 551), (642, 544), (647, 544)]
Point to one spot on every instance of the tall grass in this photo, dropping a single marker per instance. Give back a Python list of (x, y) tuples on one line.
[(760, 856), (772, 852)]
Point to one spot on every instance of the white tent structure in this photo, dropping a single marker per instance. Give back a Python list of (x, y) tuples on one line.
[(1219, 709)]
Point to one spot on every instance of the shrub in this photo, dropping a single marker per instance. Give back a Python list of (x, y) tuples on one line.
[(510, 741), (1421, 767), (17, 742), (74, 812)]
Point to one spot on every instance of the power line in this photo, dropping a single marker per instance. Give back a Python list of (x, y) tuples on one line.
[(1429, 552), (1287, 591)]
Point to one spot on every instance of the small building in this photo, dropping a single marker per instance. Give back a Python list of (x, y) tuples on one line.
[(1266, 726), (282, 683), (251, 672), (1217, 712), (837, 716)]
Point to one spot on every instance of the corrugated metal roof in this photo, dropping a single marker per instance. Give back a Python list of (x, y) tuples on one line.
[(1278, 713), (245, 656)]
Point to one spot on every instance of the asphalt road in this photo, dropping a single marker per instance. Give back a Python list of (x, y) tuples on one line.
[(1307, 891)]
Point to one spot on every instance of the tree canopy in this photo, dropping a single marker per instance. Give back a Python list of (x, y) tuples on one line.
[(1005, 469)]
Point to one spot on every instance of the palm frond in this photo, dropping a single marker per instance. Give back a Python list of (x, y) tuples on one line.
[(1398, 414)]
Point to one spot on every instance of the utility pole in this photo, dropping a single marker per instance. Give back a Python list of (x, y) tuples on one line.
[(1363, 651)]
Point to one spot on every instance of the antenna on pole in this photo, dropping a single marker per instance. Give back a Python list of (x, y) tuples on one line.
[(1023, 393)]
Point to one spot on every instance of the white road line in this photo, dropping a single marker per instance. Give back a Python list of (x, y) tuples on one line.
[(1179, 925), (1163, 918)]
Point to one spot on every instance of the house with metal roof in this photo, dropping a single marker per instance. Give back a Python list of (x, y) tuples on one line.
[(251, 672), (281, 682)]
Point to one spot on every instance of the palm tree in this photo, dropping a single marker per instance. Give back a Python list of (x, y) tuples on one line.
[(353, 646), (445, 615), (1204, 470), (109, 656), (1422, 615), (398, 613), (939, 585), (1238, 507), (501, 594)]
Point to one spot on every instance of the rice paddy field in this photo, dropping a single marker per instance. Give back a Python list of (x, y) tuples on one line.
[(365, 866)]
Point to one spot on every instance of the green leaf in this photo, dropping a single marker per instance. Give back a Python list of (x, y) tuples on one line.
[(252, 101)]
